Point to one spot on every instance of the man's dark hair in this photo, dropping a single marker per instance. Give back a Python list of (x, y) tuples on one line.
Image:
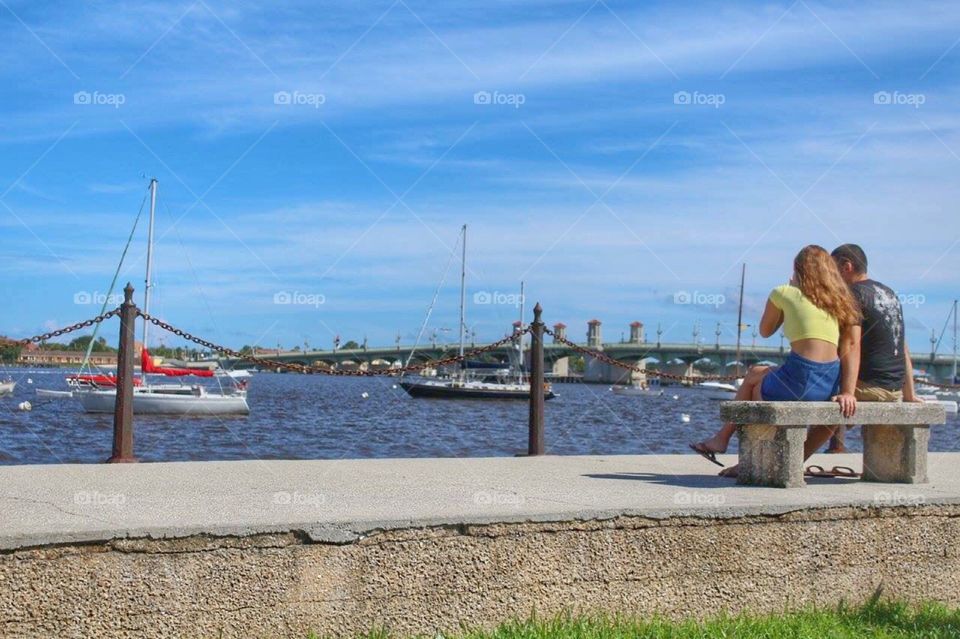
[(851, 253)]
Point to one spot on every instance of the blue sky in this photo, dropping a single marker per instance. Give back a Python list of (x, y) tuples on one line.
[(628, 153)]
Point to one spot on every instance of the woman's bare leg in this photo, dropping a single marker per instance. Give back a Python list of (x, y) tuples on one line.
[(749, 390)]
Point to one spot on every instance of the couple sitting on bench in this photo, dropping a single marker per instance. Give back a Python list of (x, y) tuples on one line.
[(846, 344)]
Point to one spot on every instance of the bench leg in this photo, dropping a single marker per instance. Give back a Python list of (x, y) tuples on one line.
[(895, 454), (771, 456)]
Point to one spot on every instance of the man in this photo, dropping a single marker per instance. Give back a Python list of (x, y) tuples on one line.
[(886, 371)]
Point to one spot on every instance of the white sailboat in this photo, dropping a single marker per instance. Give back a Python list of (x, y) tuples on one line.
[(97, 393), (464, 384), (7, 386)]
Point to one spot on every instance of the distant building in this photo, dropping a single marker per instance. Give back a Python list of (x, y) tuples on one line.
[(38, 357)]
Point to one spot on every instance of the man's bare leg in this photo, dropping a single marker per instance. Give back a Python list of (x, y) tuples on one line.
[(817, 436), (838, 442)]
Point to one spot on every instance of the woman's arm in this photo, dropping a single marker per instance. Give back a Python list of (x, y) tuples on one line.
[(771, 320), (849, 351)]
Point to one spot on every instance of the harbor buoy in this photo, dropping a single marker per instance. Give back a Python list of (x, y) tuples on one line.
[(684, 418), (29, 380), (394, 387), (676, 397), (365, 395), (25, 406)]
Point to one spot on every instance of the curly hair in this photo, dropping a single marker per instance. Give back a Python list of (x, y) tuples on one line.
[(818, 277)]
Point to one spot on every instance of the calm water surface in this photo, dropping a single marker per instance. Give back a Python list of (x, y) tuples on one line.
[(317, 417)]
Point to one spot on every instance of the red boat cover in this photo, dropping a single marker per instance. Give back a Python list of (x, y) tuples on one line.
[(147, 366), (102, 380)]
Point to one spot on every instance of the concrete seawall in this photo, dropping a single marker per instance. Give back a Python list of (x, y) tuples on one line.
[(280, 548)]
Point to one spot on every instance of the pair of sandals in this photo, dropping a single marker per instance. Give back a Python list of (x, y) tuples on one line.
[(836, 471), (810, 471)]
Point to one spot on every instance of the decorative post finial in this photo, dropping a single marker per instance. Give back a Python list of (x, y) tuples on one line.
[(128, 293), (537, 312)]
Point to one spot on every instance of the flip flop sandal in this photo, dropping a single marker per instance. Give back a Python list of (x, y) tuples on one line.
[(817, 471), (844, 471), (709, 455)]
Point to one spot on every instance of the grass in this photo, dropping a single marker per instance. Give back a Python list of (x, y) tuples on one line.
[(883, 620)]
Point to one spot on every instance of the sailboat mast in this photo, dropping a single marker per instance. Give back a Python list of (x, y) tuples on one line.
[(520, 339), (743, 277), (148, 281), (954, 380), (463, 294)]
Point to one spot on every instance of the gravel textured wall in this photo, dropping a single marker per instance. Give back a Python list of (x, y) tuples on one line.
[(430, 579)]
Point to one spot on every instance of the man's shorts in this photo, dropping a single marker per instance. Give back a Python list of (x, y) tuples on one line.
[(865, 393)]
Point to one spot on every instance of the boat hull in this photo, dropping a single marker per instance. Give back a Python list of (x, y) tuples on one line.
[(630, 391), (437, 391), (6, 388), (103, 401)]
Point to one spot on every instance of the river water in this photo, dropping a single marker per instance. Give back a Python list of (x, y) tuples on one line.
[(318, 417)]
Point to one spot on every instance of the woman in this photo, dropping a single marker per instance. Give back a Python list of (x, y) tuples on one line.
[(815, 308)]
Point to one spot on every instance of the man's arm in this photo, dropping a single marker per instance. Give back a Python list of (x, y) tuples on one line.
[(849, 350), (909, 392)]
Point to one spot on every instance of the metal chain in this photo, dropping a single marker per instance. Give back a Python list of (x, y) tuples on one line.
[(603, 357), (301, 368), (68, 329)]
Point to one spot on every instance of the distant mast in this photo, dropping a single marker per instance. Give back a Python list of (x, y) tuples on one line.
[(463, 295), (148, 282), (743, 277), (954, 380)]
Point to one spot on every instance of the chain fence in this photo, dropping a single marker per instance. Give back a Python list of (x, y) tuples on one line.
[(603, 357), (410, 368), (36, 339), (302, 368)]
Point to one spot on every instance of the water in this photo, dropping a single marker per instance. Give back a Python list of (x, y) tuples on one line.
[(318, 417)]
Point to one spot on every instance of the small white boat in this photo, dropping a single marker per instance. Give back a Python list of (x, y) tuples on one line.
[(949, 406), (638, 390), (717, 390), (6, 387)]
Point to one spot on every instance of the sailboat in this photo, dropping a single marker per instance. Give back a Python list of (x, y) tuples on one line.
[(723, 390), (7, 386), (466, 383), (97, 393)]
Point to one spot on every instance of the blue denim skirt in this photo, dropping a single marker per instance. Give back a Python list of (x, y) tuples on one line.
[(801, 379)]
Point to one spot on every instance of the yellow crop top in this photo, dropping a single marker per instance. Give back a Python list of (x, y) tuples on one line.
[(801, 318)]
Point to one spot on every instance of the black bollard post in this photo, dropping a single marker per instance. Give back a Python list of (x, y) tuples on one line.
[(123, 409), (536, 444)]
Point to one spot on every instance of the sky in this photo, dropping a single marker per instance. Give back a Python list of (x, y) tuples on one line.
[(315, 162)]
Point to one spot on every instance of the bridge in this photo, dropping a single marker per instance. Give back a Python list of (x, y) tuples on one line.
[(687, 358)]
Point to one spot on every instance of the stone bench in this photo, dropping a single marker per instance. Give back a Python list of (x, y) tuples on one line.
[(772, 436)]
